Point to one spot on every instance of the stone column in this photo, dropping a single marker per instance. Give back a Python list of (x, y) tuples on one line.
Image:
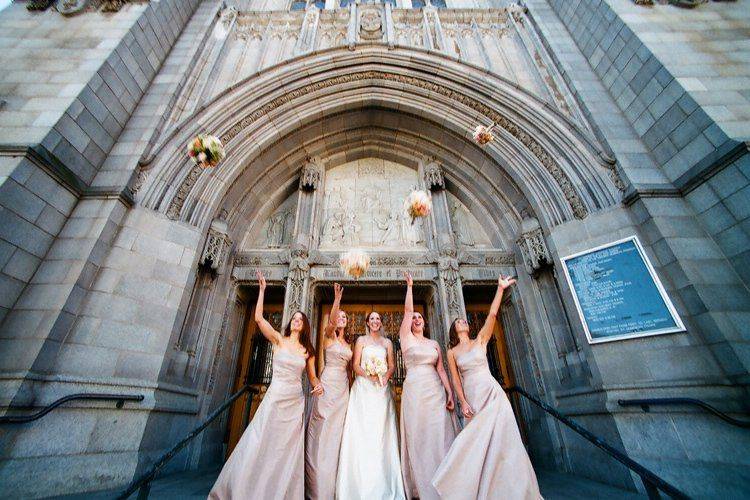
[(449, 279), (432, 173), (306, 41), (298, 279)]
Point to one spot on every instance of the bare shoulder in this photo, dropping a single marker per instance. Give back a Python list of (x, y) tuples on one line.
[(387, 342)]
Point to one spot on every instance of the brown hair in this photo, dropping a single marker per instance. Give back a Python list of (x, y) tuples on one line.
[(367, 327), (453, 335), (348, 336), (425, 329), (304, 334)]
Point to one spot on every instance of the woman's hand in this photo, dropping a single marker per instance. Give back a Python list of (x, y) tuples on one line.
[(450, 405), (466, 410), (407, 277), (317, 390), (375, 380), (261, 279), (505, 282), (338, 291)]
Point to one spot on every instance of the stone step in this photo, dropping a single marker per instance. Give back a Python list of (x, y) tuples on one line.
[(197, 484)]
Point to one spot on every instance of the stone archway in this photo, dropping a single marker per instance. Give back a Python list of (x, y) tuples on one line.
[(288, 126)]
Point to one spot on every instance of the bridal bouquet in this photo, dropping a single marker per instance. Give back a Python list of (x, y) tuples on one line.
[(417, 204), (376, 366), (206, 150), (483, 135), (355, 263)]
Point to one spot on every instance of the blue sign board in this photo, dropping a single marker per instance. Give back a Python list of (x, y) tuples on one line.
[(618, 294)]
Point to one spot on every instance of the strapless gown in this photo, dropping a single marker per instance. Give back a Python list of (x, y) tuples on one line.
[(268, 462), (327, 424), (369, 467), (427, 427), (487, 459)]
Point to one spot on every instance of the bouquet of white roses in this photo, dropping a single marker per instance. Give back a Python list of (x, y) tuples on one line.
[(355, 263), (206, 150), (417, 204), (483, 135), (377, 367)]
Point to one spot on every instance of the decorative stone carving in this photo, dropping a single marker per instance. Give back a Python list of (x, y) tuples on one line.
[(311, 174), (433, 176), (545, 159), (299, 270), (364, 206), (448, 270), (217, 243), (533, 247), (370, 23), (175, 206), (500, 260)]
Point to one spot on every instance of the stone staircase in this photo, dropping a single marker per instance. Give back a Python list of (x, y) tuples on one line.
[(196, 485)]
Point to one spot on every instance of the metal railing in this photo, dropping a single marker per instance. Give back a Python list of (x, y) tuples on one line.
[(651, 481), (143, 483), (22, 419), (645, 405)]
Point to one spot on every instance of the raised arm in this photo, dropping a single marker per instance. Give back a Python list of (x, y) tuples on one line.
[(317, 387), (465, 408), (444, 379), (333, 316), (266, 329), (405, 329), (485, 334)]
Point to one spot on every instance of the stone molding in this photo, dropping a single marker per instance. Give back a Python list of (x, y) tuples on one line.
[(545, 159)]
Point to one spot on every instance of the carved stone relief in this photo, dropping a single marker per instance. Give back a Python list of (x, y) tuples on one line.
[(468, 232), (364, 206), (370, 23)]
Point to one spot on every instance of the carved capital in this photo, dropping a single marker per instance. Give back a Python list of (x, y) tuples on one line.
[(217, 243), (311, 175), (533, 246), (433, 177)]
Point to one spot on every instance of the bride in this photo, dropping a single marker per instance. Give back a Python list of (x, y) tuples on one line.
[(369, 467)]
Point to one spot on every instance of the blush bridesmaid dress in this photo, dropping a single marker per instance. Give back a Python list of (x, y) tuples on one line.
[(326, 424), (487, 459), (427, 427), (268, 462)]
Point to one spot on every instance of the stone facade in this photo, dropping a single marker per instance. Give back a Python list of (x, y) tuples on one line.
[(126, 269)]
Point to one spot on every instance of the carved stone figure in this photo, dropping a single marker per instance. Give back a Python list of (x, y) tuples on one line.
[(391, 227), (461, 225), (277, 229), (371, 24)]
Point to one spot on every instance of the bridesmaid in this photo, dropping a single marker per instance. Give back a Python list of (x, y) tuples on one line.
[(487, 459), (427, 426), (329, 409), (269, 459)]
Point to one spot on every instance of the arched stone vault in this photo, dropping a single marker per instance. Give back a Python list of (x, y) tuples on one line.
[(334, 101)]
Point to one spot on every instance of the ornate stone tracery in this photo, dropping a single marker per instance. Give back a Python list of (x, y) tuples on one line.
[(533, 246), (217, 243)]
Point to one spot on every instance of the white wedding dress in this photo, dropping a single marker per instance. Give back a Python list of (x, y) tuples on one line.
[(369, 467)]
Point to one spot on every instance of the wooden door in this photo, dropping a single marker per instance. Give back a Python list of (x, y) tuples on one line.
[(254, 368)]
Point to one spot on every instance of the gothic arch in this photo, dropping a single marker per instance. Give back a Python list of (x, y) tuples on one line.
[(429, 103)]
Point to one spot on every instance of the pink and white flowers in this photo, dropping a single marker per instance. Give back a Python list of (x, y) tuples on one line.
[(483, 135), (206, 150), (417, 204), (355, 263), (375, 366)]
